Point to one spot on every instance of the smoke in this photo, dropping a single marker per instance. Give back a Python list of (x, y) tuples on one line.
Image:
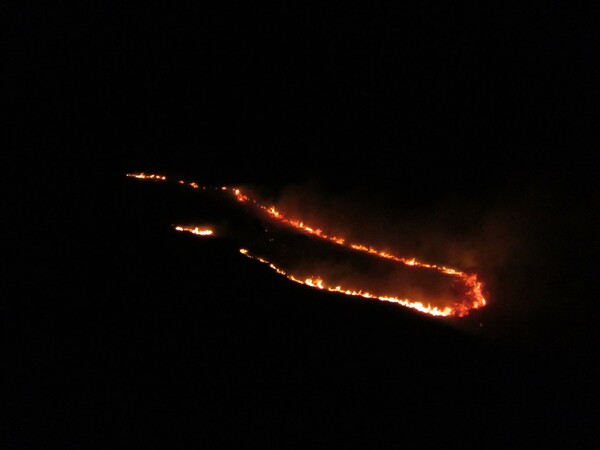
[(365, 273), (519, 239), (342, 268), (529, 242)]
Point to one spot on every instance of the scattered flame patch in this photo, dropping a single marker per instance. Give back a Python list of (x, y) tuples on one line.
[(473, 299), (195, 230), (143, 176)]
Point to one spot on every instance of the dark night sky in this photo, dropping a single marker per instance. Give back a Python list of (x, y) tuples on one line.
[(477, 120)]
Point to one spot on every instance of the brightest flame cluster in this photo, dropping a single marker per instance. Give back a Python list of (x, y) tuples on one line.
[(474, 296), (195, 230)]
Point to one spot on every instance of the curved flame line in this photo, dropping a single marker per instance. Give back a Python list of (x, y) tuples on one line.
[(475, 287)]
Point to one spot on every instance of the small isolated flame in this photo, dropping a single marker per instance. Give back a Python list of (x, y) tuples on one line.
[(195, 230), (474, 298)]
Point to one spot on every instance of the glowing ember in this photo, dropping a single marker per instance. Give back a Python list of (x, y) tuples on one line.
[(473, 298)]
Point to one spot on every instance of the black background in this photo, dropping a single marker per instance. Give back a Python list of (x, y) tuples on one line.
[(119, 333)]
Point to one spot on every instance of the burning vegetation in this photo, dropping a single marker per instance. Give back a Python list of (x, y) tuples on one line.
[(434, 289)]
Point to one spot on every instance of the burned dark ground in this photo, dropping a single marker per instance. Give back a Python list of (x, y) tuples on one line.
[(462, 136)]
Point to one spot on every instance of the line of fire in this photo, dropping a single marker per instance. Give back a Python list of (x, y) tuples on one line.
[(306, 254)]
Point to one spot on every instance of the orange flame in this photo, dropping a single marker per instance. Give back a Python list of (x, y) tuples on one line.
[(143, 176), (319, 283), (195, 230), (474, 298)]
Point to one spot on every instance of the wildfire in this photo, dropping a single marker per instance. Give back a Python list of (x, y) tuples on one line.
[(195, 230), (143, 176), (474, 297), (319, 283)]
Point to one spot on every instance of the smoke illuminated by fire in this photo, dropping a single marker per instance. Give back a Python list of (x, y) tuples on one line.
[(473, 297)]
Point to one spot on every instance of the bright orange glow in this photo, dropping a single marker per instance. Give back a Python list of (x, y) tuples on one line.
[(143, 176), (195, 230), (473, 298), (319, 283)]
